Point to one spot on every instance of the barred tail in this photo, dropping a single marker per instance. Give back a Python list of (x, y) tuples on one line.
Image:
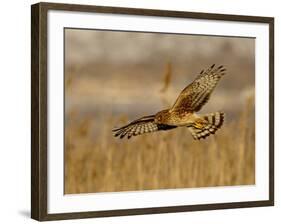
[(209, 124)]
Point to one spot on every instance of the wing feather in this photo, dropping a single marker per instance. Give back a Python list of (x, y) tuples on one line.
[(196, 94), (140, 126)]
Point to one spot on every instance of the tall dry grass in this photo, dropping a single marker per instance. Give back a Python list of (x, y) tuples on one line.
[(95, 161)]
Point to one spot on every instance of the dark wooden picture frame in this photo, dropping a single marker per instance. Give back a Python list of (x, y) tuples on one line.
[(39, 105)]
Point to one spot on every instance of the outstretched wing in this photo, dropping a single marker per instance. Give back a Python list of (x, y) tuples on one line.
[(196, 94), (138, 127)]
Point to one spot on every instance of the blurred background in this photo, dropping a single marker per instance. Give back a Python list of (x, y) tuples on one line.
[(114, 77)]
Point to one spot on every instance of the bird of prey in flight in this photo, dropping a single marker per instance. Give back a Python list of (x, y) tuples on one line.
[(183, 112)]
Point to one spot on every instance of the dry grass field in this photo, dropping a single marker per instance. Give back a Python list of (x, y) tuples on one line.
[(159, 160), (104, 93)]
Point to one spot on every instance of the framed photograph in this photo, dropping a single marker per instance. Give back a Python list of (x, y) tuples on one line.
[(139, 111)]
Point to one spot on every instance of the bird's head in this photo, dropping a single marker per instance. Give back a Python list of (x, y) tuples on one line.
[(161, 116)]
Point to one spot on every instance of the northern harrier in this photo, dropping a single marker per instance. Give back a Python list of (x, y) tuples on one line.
[(182, 113)]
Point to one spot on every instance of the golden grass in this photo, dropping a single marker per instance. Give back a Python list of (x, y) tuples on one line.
[(98, 162), (167, 77)]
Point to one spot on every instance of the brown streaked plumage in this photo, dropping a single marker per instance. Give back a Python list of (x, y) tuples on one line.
[(182, 113)]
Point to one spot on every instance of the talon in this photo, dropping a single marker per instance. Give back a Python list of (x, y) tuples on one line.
[(198, 125)]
